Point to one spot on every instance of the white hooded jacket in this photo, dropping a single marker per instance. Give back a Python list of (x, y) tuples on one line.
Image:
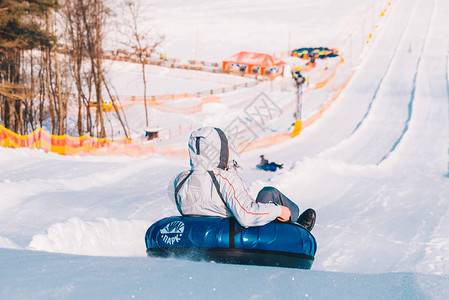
[(196, 193)]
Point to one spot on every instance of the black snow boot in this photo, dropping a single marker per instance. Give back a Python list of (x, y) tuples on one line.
[(307, 219)]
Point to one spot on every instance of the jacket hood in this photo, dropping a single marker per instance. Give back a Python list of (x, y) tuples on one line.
[(208, 148)]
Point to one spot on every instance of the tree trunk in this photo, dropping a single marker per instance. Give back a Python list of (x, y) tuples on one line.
[(49, 94), (99, 57), (59, 96), (144, 91), (117, 111)]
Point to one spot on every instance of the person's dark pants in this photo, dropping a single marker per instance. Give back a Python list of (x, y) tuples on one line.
[(270, 194)]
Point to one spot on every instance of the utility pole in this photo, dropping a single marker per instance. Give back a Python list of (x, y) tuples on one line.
[(298, 113), (196, 46), (299, 79)]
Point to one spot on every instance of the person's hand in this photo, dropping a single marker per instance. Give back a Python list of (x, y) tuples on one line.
[(285, 214)]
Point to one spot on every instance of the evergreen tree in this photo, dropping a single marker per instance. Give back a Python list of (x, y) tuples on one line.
[(21, 24), (22, 28)]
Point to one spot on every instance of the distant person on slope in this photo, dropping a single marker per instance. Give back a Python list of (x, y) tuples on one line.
[(297, 76), (210, 189), (268, 166)]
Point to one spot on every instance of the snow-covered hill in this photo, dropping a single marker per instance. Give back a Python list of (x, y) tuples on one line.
[(375, 167)]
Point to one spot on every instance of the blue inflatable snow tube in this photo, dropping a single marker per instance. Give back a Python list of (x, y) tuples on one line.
[(268, 167), (224, 240)]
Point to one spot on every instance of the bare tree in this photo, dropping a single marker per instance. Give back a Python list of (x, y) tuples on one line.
[(93, 14), (142, 41), (76, 50), (86, 34), (36, 86)]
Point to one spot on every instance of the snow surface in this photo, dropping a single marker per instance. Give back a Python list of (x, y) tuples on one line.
[(375, 166)]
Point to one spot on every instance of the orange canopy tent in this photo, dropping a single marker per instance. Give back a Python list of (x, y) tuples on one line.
[(254, 63)]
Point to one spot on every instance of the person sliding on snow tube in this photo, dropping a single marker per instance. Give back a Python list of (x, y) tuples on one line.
[(263, 160), (268, 166), (211, 189)]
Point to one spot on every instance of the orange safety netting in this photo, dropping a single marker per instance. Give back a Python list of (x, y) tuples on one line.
[(322, 83), (67, 145), (279, 137), (326, 104), (162, 106), (190, 109)]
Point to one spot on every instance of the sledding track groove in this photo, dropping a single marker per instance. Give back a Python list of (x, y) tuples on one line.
[(387, 117), (374, 97), (447, 89), (412, 97), (343, 121)]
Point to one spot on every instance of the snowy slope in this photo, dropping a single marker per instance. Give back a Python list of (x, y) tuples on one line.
[(375, 167)]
